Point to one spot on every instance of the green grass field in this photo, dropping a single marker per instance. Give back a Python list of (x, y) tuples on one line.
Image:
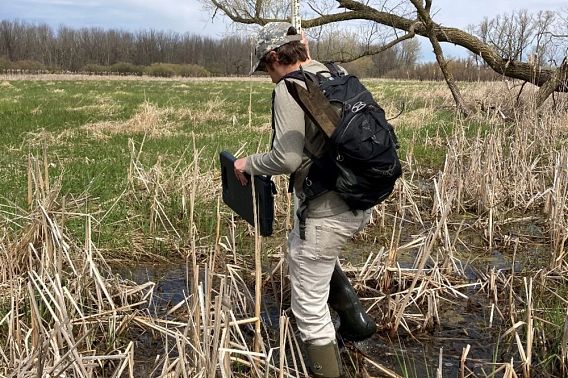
[(85, 127)]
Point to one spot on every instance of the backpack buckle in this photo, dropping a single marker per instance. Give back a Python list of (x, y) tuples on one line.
[(358, 106)]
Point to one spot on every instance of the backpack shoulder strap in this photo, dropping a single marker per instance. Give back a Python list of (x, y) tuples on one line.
[(334, 69), (301, 75), (293, 75)]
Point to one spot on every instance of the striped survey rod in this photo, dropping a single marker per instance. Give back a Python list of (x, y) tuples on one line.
[(296, 21)]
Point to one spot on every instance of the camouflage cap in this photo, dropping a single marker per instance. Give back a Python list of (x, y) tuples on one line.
[(270, 37)]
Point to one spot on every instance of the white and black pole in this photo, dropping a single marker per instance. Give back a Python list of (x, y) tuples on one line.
[(296, 21)]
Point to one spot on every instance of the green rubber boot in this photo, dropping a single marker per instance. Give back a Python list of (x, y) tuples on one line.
[(324, 360), (355, 323)]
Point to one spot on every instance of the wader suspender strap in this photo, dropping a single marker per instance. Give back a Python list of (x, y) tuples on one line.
[(302, 214), (272, 120)]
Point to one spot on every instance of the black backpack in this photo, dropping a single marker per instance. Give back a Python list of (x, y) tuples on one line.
[(361, 162)]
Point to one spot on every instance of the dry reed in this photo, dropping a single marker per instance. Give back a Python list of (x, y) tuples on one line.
[(66, 314)]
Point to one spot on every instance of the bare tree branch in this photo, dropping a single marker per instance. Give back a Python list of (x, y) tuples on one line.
[(430, 27), (555, 35), (385, 47), (428, 6), (354, 10)]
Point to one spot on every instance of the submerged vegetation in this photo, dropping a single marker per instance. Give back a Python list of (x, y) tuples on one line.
[(463, 268)]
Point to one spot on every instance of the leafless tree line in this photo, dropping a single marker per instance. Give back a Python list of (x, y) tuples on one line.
[(519, 45), (72, 49), (539, 38)]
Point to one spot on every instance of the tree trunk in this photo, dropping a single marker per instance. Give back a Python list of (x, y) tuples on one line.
[(560, 77)]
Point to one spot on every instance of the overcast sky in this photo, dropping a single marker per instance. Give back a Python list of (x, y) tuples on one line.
[(189, 16)]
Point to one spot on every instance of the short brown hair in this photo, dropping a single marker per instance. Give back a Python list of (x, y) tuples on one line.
[(289, 53)]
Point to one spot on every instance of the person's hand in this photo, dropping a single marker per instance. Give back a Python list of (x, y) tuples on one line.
[(304, 40), (239, 168)]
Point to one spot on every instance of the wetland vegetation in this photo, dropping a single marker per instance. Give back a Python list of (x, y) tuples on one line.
[(118, 258)]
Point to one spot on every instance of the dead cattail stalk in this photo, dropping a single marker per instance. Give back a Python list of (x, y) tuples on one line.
[(424, 255), (250, 106), (282, 347), (295, 350), (564, 346), (257, 269), (393, 251), (45, 168), (530, 328), (385, 371), (30, 182), (556, 209), (463, 359), (440, 368), (217, 248)]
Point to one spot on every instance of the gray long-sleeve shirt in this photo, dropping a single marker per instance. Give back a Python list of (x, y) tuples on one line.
[(287, 154)]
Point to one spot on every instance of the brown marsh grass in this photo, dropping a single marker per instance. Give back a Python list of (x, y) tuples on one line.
[(147, 120), (64, 313)]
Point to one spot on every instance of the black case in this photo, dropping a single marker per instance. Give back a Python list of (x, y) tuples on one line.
[(239, 197)]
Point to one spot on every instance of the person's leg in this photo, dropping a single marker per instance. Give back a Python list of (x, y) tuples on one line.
[(310, 272), (311, 263), (355, 324)]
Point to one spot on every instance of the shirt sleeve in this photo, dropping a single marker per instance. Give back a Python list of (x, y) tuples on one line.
[(289, 126)]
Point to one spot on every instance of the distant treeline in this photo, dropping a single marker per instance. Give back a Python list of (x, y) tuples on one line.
[(38, 45), (37, 48), (461, 69), (401, 62)]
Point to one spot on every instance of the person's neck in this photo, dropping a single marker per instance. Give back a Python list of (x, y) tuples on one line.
[(296, 66)]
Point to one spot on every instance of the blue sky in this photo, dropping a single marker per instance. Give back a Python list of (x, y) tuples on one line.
[(461, 13), (175, 15), (189, 16)]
